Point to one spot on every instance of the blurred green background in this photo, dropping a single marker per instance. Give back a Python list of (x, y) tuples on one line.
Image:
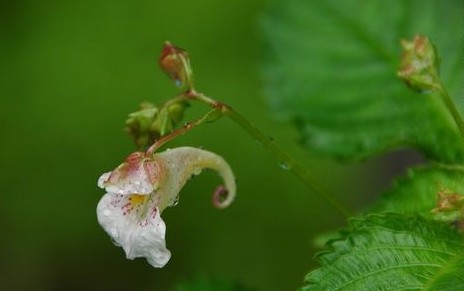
[(71, 71)]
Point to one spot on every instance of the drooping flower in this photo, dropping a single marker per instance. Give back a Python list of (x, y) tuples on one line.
[(143, 186)]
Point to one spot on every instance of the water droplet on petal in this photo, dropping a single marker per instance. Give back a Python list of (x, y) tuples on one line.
[(176, 201), (106, 212), (196, 171)]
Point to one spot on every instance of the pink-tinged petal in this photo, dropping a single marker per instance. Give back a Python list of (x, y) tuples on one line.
[(142, 187), (135, 224), (102, 180), (137, 175)]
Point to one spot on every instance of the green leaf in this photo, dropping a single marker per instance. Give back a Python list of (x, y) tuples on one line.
[(210, 284), (331, 67), (451, 279), (392, 252), (417, 192)]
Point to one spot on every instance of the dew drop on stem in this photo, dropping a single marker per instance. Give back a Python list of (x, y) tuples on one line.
[(284, 166)]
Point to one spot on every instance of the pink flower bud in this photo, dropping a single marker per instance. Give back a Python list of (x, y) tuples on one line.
[(175, 62)]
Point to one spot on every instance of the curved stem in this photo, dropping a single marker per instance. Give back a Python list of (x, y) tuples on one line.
[(179, 98), (286, 160), (183, 69), (452, 108)]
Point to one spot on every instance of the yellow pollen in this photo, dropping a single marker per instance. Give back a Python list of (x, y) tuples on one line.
[(136, 200)]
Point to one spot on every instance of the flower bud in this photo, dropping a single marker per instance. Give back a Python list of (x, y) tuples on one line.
[(450, 208), (176, 111), (447, 202), (139, 125), (419, 64), (175, 62), (150, 123)]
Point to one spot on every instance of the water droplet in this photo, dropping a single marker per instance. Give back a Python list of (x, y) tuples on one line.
[(196, 171), (106, 212), (284, 166), (176, 201)]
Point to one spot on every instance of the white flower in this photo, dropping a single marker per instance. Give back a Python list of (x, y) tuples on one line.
[(142, 187)]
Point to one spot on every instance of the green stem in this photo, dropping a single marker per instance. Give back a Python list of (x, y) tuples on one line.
[(210, 115), (179, 98), (286, 161), (452, 108)]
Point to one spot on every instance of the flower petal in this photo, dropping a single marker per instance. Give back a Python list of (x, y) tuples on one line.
[(181, 163), (137, 175), (135, 224)]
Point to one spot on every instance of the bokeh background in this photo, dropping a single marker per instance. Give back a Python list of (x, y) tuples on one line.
[(71, 71)]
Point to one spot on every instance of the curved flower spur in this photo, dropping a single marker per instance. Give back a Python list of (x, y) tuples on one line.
[(143, 186)]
